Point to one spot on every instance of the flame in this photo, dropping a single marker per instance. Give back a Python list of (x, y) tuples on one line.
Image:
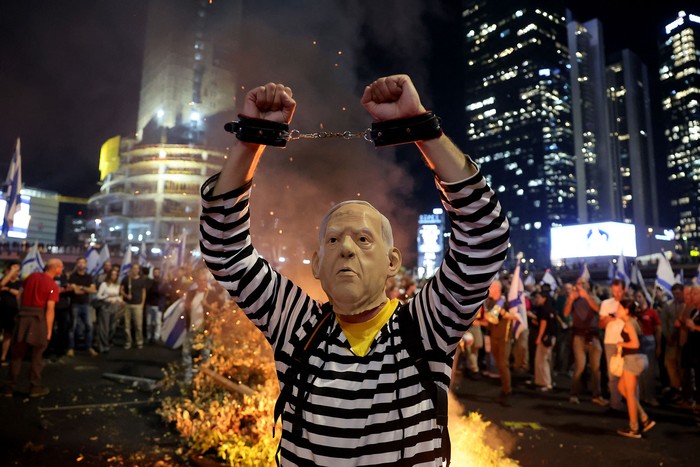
[(475, 442)]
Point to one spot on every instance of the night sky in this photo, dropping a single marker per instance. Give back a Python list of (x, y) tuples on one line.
[(70, 71)]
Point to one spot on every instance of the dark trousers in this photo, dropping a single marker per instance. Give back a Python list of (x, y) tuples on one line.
[(19, 349)]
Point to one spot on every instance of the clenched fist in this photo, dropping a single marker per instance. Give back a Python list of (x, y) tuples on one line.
[(392, 97)]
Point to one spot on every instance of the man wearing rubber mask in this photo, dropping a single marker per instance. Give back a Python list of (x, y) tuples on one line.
[(355, 394)]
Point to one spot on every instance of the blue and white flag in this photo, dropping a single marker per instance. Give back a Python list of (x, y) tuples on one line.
[(11, 193), (621, 271), (530, 280), (585, 275), (32, 262), (680, 279), (550, 280), (92, 257), (126, 264), (664, 275), (637, 279), (697, 276), (103, 259), (516, 302), (172, 331)]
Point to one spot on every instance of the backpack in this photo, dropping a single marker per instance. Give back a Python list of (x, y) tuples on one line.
[(410, 335)]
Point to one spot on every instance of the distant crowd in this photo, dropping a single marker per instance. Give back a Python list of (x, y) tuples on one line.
[(57, 313)]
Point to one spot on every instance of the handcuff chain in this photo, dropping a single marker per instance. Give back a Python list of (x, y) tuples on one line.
[(296, 134)]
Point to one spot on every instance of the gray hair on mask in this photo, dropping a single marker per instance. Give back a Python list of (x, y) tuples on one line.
[(387, 233)]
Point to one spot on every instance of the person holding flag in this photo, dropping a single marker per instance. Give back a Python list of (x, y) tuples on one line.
[(500, 336), (518, 308)]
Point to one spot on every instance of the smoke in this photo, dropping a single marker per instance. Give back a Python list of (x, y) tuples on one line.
[(320, 50)]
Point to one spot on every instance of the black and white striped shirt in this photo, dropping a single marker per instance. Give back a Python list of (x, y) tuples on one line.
[(369, 410)]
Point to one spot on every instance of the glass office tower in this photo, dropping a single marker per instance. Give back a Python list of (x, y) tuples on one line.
[(679, 70), (519, 115)]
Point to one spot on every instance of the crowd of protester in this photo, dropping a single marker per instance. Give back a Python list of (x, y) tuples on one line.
[(91, 314), (574, 331)]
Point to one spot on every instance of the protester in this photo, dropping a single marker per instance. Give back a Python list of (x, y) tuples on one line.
[(10, 286), (670, 329), (690, 360), (546, 338), (82, 286), (635, 363), (609, 321), (650, 345), (34, 326), (110, 304), (155, 301), (133, 292), (363, 357), (586, 341)]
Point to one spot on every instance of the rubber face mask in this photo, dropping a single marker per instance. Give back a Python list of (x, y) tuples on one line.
[(353, 262)]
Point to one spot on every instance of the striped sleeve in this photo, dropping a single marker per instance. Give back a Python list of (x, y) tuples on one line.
[(478, 244), (269, 300)]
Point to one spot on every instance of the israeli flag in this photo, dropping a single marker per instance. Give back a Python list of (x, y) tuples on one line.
[(585, 275), (549, 279), (92, 257), (173, 329), (664, 275), (621, 272), (32, 262), (102, 260), (516, 302), (126, 264), (11, 193)]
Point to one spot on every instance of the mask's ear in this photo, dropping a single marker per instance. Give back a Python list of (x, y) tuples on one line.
[(315, 264), (394, 262)]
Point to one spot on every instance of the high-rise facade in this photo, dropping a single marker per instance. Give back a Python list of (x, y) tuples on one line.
[(150, 185), (519, 115), (679, 70), (632, 142), (613, 136), (596, 200)]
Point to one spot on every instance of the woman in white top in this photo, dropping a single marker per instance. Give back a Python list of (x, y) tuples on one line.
[(111, 303)]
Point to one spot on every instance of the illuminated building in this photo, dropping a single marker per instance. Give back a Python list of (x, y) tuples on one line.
[(431, 242), (613, 144), (679, 69), (519, 115), (150, 184), (632, 142)]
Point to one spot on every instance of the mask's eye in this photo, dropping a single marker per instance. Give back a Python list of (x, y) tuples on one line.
[(332, 240)]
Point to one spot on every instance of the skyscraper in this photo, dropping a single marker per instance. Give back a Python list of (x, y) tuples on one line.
[(679, 70), (632, 142), (519, 115), (596, 199), (150, 185), (613, 144)]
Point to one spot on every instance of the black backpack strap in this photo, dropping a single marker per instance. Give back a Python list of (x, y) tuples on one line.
[(299, 368), (411, 337)]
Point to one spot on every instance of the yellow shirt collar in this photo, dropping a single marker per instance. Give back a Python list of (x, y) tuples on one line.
[(361, 335)]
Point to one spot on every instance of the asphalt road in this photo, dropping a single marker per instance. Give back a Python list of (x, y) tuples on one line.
[(91, 419)]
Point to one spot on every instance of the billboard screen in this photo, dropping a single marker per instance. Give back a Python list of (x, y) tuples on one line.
[(589, 240)]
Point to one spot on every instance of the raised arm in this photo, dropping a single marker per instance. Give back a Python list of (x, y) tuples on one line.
[(395, 97), (271, 102)]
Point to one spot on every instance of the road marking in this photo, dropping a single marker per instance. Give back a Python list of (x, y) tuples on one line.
[(521, 425)]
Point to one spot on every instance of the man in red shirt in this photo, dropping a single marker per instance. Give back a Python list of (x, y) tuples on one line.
[(33, 326)]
